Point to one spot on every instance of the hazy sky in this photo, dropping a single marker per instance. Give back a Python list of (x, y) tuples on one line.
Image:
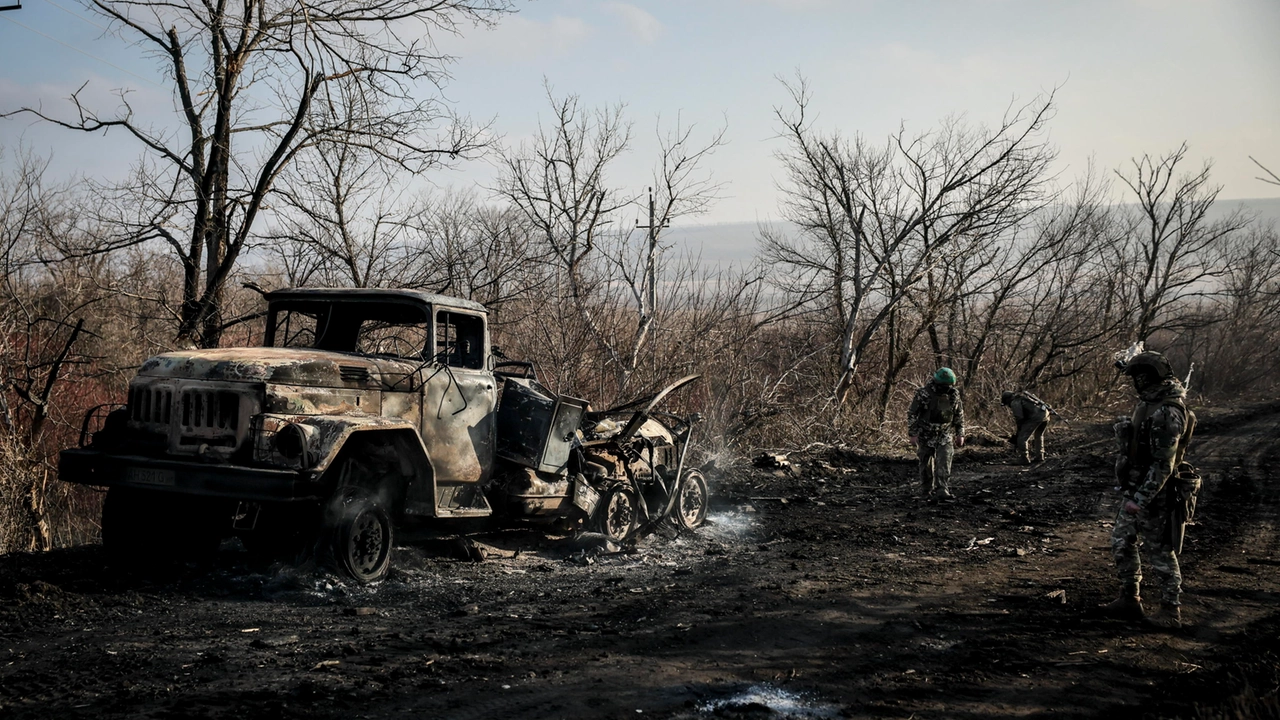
[(1134, 77)]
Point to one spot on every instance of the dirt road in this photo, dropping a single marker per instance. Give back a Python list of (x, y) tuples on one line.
[(830, 592)]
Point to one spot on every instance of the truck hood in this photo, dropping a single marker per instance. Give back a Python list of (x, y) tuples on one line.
[(289, 366)]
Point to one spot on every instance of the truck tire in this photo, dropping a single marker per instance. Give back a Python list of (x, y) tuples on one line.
[(360, 535), (618, 513), (690, 510)]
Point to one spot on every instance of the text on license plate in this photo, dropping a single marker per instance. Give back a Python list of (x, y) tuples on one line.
[(149, 476)]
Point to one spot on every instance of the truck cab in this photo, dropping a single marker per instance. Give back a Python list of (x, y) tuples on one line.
[(356, 398)]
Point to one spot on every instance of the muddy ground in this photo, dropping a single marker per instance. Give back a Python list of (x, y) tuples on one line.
[(826, 592)]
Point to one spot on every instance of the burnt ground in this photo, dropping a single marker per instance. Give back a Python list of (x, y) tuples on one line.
[(827, 592)]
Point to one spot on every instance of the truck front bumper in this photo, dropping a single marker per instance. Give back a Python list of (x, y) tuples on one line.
[(94, 467)]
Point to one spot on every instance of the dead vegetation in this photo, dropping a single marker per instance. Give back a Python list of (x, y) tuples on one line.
[(953, 246)]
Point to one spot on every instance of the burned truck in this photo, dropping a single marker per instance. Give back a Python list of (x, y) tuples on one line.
[(362, 411)]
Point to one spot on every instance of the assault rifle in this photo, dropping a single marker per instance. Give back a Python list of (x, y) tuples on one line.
[(1047, 406)]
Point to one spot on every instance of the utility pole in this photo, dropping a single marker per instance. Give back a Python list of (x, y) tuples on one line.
[(11, 7), (650, 291)]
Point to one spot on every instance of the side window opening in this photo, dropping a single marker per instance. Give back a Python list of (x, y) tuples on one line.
[(298, 328), (389, 329), (460, 340)]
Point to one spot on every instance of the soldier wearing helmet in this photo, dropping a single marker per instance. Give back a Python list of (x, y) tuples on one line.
[(1031, 415), (1154, 510), (935, 422)]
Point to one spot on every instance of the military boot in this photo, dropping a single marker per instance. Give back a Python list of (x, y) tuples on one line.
[(1126, 607), (1168, 617)]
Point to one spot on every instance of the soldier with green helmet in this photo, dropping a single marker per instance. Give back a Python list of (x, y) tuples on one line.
[(1031, 415), (935, 422), (1158, 500)]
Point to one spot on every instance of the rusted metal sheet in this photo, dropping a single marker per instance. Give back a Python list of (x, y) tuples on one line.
[(458, 423), (315, 368)]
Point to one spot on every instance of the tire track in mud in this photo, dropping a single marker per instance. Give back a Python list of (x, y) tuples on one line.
[(1230, 578), (1239, 509), (1237, 521)]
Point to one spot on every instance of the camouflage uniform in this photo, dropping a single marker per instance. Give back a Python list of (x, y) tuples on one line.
[(1032, 417), (1155, 446), (935, 419)]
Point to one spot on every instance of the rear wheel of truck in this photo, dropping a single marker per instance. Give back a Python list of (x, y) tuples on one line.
[(618, 513), (361, 535), (690, 510)]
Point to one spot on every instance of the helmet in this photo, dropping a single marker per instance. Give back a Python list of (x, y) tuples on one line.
[(1152, 360), (1006, 397), (945, 376)]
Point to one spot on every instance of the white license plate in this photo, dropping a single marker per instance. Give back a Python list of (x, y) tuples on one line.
[(148, 476)]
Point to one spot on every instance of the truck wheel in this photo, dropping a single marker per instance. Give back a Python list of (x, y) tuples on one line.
[(362, 536), (691, 505), (617, 513)]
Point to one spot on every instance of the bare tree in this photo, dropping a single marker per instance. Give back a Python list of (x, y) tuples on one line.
[(683, 189), (1173, 252), (341, 217), (255, 83), (1271, 177), (559, 183), (1241, 351), (42, 332), (1061, 242), (459, 246), (863, 210)]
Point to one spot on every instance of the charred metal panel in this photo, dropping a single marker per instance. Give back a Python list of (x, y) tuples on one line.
[(346, 295), (406, 406), (331, 432), (535, 429), (457, 423), (287, 366), (461, 500), (303, 400), (533, 494)]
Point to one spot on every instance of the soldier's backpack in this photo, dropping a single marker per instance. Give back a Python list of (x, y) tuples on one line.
[(942, 407), (1140, 428), (1037, 401)]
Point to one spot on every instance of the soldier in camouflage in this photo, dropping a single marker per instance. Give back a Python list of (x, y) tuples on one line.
[(1031, 415), (935, 422), (1155, 510)]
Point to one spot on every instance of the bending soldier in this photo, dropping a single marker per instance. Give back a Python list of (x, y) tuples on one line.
[(935, 422), (1031, 414), (1158, 501)]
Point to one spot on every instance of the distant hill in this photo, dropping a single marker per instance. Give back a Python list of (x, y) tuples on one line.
[(723, 244)]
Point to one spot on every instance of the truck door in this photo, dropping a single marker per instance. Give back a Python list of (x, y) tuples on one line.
[(458, 402)]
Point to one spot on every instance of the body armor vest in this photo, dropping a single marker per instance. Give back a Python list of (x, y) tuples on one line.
[(942, 407)]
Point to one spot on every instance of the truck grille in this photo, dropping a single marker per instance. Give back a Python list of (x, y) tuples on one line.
[(210, 410), (150, 405), (190, 414)]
